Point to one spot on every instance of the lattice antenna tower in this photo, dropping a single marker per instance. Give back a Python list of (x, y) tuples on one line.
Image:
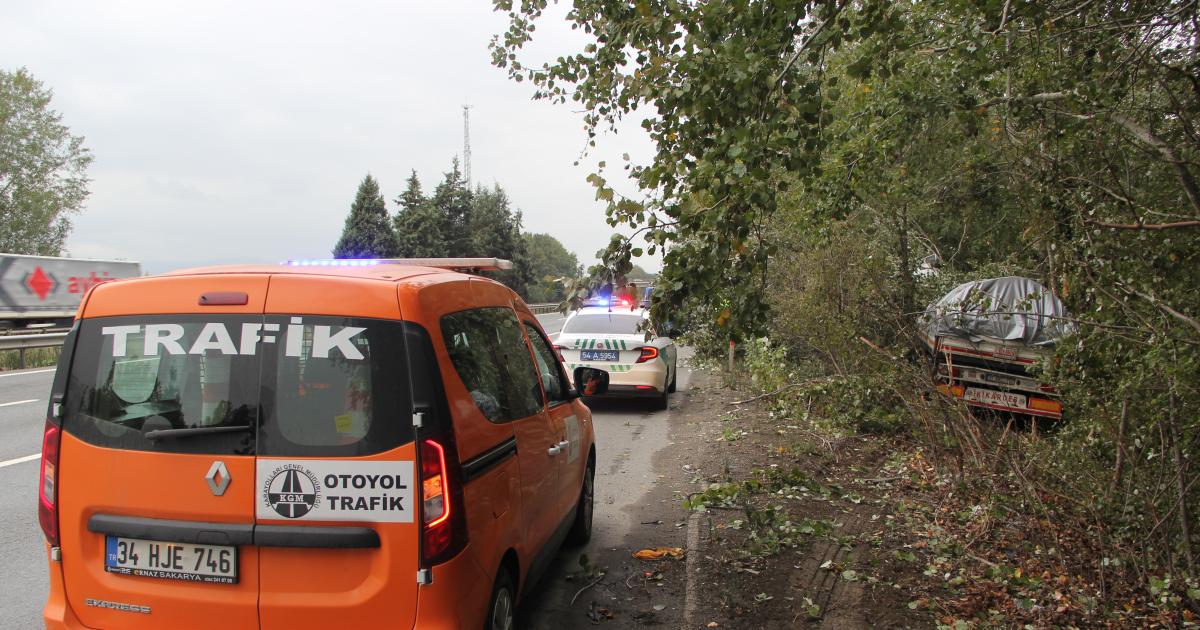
[(467, 145)]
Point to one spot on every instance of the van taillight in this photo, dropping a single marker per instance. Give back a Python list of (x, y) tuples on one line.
[(435, 506), (48, 483), (443, 526)]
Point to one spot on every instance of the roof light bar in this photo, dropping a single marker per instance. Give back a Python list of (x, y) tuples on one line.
[(332, 262), (474, 264), (482, 264)]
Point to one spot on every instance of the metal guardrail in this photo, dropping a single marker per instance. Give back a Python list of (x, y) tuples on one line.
[(21, 342), (542, 309)]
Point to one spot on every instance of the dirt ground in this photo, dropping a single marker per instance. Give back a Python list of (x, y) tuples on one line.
[(785, 526), (808, 541), (807, 544)]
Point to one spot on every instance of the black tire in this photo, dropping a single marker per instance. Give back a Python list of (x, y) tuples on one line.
[(502, 609), (663, 401), (674, 377), (581, 529)]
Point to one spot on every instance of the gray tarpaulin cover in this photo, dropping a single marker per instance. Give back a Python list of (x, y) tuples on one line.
[(1013, 309)]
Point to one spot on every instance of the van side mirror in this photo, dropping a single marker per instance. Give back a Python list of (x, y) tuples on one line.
[(591, 381)]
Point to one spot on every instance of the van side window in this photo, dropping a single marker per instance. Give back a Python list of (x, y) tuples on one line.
[(488, 351), (548, 366)]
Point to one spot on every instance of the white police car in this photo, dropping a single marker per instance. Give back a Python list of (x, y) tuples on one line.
[(622, 342)]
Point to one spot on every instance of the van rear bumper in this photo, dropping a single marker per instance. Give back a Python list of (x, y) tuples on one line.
[(457, 597)]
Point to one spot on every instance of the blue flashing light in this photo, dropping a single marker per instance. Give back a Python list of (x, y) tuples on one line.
[(333, 262)]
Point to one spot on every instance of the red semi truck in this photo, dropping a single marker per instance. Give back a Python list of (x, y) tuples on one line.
[(41, 291)]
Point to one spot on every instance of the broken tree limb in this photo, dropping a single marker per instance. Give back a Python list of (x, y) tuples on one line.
[(1164, 151), (1144, 226), (780, 390), (586, 587)]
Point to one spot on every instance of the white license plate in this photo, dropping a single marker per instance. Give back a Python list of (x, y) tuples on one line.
[(993, 397), (171, 560), (599, 355)]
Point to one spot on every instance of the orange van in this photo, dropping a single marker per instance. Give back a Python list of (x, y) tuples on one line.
[(319, 444)]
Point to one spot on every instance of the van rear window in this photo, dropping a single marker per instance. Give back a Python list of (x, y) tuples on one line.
[(232, 384)]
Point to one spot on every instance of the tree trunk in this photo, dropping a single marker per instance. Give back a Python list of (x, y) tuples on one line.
[(1185, 523)]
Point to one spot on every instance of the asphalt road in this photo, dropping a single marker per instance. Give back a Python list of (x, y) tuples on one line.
[(23, 570), (627, 433)]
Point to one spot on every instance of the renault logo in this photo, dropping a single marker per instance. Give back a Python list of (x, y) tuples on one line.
[(218, 478)]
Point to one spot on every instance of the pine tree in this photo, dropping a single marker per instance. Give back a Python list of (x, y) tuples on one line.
[(495, 231), (412, 197), (453, 201), (368, 232), (418, 223)]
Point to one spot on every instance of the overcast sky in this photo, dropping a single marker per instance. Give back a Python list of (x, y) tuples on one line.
[(239, 131)]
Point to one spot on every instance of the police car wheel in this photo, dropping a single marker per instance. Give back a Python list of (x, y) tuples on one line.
[(502, 610), (674, 377), (663, 401)]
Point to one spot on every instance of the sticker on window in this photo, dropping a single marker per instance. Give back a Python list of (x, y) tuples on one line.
[(299, 340), (133, 379)]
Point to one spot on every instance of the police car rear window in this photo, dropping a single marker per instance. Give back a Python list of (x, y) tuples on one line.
[(603, 324), (235, 384)]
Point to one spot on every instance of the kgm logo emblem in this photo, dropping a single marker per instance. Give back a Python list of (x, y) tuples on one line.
[(291, 491)]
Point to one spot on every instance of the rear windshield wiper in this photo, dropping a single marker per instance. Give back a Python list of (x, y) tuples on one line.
[(159, 434)]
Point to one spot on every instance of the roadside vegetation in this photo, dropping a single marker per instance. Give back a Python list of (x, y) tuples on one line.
[(34, 358), (811, 154)]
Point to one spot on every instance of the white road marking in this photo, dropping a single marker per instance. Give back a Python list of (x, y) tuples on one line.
[(21, 460), (2, 375), (18, 402)]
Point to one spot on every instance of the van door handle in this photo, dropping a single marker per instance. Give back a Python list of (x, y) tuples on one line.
[(554, 450), (563, 444)]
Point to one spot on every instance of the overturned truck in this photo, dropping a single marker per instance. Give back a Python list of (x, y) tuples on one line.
[(984, 336)]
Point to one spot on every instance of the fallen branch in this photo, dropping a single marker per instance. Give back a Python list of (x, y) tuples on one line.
[(876, 348), (586, 587), (883, 479), (1166, 308), (780, 390), (1144, 226), (1045, 97)]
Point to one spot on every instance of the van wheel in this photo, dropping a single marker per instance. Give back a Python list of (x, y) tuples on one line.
[(501, 612), (581, 529)]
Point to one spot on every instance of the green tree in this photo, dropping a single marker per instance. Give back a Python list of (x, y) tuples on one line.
[(452, 199), (418, 223), (368, 232), (550, 265), (412, 197), (494, 229), (43, 169)]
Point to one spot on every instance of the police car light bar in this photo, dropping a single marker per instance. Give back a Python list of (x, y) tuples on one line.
[(474, 264)]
